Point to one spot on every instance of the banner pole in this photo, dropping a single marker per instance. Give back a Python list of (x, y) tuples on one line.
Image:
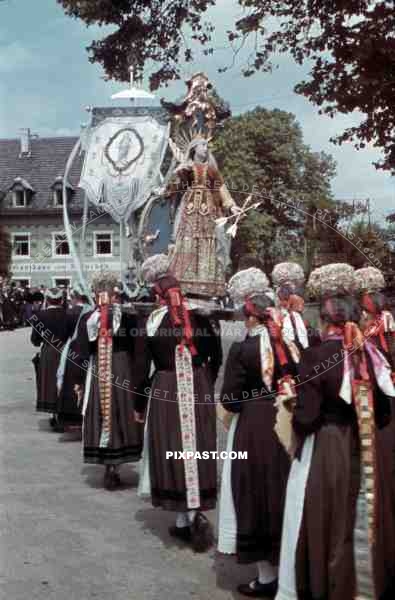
[(66, 222)]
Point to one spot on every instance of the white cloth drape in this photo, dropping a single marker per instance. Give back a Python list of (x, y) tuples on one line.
[(288, 330), (144, 487), (227, 528), (294, 506), (93, 323)]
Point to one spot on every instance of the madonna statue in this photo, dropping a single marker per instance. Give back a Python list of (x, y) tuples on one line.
[(201, 250)]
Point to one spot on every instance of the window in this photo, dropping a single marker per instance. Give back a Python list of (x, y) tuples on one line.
[(19, 198), (58, 196), (103, 244), (21, 245), (60, 245), (57, 191), (21, 192), (62, 282), (22, 283)]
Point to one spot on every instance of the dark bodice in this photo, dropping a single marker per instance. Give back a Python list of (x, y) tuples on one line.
[(160, 349), (125, 339), (49, 327), (388, 352), (243, 375), (320, 379), (208, 344), (72, 316), (79, 347)]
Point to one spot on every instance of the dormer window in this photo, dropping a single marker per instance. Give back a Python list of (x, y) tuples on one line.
[(21, 192), (19, 197), (57, 191), (58, 197)]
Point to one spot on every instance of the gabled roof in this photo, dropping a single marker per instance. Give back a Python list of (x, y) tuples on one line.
[(59, 182), (22, 182), (47, 162)]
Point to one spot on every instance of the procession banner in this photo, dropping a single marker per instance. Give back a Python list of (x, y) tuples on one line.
[(124, 151)]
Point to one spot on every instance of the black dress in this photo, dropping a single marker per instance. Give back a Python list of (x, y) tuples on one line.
[(126, 436), (167, 476), (324, 565), (50, 332), (9, 312), (258, 484), (69, 412)]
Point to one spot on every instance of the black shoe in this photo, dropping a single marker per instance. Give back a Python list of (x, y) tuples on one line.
[(259, 590), (112, 481), (202, 533), (181, 533), (107, 479), (56, 424), (109, 483)]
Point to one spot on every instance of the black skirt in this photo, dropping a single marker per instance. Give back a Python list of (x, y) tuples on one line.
[(325, 564), (126, 436), (68, 410), (47, 397), (259, 483), (167, 476)]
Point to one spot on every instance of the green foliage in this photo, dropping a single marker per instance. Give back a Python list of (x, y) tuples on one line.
[(365, 244), (349, 45), (143, 30), (262, 153)]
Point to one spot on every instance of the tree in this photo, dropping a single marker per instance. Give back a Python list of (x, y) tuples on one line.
[(349, 44), (145, 30), (366, 245), (262, 152), (5, 252)]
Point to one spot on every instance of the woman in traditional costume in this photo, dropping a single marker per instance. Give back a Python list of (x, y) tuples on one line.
[(71, 373), (49, 332), (200, 255), (378, 327), (339, 531), (179, 407), (111, 435), (378, 322), (253, 490), (288, 280)]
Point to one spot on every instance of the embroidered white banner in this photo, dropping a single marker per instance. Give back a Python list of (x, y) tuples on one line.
[(122, 163)]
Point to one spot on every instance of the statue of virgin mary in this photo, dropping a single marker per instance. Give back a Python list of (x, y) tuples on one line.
[(200, 255)]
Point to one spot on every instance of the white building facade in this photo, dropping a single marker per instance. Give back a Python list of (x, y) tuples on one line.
[(31, 208)]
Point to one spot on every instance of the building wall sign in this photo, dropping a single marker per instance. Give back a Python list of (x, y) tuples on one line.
[(62, 267)]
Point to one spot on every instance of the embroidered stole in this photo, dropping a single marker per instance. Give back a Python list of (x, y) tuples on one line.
[(186, 407), (266, 354), (364, 405), (104, 355)]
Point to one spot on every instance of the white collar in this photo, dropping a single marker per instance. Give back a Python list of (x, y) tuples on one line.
[(93, 323), (381, 368)]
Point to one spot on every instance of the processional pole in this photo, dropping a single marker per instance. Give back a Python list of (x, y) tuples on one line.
[(67, 226)]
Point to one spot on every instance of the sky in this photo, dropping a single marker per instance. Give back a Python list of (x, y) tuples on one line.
[(47, 81)]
